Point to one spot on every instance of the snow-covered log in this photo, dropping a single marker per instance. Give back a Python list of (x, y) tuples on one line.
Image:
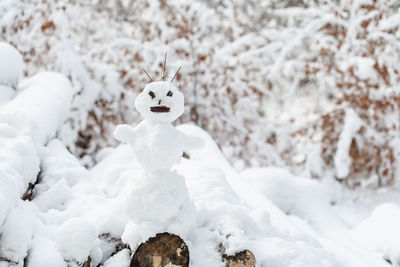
[(26, 124), (40, 108)]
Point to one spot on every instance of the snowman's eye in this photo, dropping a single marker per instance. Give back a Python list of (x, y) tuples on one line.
[(169, 93), (151, 93)]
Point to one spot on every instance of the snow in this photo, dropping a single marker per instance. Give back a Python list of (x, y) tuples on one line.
[(276, 209), (6, 94), (41, 107), (17, 232), (27, 122), (21, 137), (283, 219), (44, 252), (390, 23), (158, 203), (122, 258), (75, 213), (352, 124), (377, 232), (365, 69), (10, 67), (75, 238)]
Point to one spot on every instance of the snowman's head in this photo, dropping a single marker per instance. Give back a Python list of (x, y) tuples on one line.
[(160, 102)]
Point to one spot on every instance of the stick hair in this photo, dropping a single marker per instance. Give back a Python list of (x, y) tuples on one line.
[(176, 73), (148, 75), (164, 67)]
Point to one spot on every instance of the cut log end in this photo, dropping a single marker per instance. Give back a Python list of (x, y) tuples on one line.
[(241, 259), (165, 250)]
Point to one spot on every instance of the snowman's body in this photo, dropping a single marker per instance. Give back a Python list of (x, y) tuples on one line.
[(159, 145)]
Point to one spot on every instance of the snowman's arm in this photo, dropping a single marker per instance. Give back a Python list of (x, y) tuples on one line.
[(193, 142), (124, 133)]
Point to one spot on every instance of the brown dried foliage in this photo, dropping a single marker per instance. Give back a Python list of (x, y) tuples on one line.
[(371, 154)]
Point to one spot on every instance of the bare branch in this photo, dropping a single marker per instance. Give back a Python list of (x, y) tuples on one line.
[(148, 75), (165, 64), (176, 74)]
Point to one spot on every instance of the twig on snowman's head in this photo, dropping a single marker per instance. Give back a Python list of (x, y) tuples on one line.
[(164, 67), (148, 75), (176, 74)]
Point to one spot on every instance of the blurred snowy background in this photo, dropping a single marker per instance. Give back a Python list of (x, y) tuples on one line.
[(308, 85), (312, 87)]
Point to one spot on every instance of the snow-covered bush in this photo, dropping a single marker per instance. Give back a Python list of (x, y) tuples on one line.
[(358, 58), (271, 81)]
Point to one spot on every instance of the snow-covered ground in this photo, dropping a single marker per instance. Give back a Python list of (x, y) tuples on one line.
[(54, 212), (76, 212)]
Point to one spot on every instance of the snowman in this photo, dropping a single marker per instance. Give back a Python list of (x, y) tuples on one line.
[(159, 200)]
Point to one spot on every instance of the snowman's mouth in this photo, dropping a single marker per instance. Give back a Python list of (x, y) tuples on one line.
[(160, 109)]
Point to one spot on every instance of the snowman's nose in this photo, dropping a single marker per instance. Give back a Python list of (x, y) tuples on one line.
[(159, 102)]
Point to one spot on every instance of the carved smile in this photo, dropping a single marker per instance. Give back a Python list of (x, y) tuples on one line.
[(160, 109)]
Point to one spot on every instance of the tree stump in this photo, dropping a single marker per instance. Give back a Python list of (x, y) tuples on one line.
[(163, 250), (241, 259)]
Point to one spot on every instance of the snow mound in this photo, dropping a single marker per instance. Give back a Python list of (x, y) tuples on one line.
[(41, 107), (379, 232), (17, 232), (75, 238), (122, 258)]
